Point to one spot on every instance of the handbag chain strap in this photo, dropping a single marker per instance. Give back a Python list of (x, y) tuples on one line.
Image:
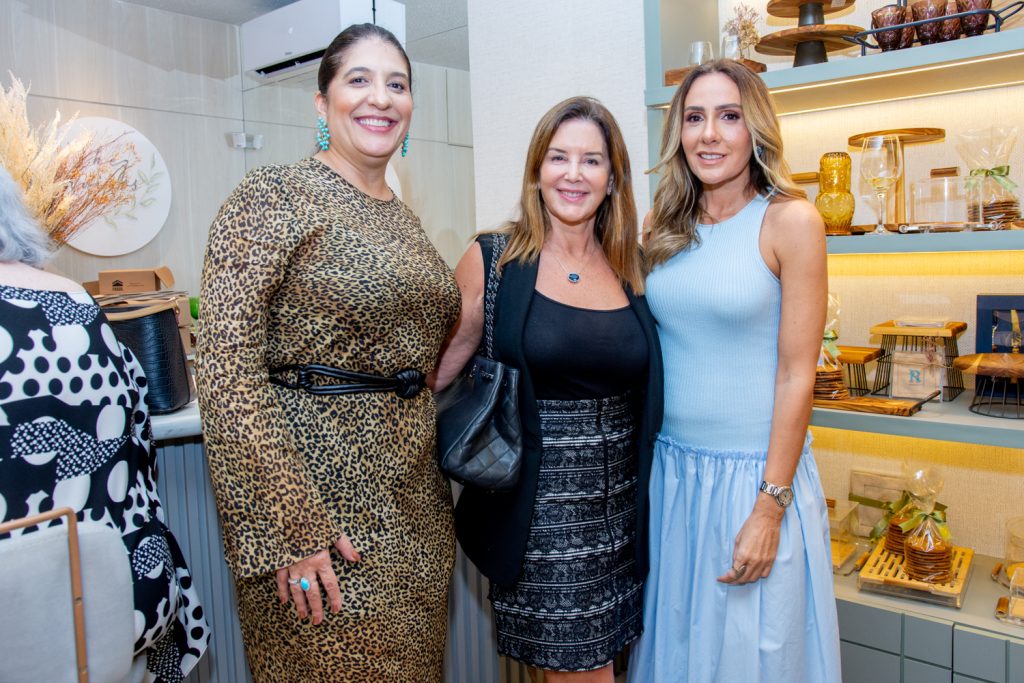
[(499, 241)]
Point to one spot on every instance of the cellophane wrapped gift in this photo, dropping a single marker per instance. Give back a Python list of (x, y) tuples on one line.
[(928, 544), (991, 196), (828, 380)]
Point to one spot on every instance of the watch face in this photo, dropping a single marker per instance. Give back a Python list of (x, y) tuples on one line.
[(785, 496)]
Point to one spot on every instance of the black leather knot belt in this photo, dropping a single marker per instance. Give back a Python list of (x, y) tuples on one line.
[(406, 383)]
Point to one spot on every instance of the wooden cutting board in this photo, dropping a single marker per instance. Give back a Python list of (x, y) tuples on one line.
[(904, 407)]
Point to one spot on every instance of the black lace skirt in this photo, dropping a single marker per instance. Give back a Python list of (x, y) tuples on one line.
[(578, 601)]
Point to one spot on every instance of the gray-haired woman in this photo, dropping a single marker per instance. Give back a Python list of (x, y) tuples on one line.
[(74, 423)]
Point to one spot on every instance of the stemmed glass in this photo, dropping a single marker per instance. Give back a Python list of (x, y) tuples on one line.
[(700, 52), (881, 165)]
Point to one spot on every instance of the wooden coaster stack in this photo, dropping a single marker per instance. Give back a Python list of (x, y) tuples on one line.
[(997, 211), (829, 384), (894, 536), (928, 559)]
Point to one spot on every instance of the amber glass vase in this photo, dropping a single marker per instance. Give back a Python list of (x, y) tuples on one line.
[(835, 201)]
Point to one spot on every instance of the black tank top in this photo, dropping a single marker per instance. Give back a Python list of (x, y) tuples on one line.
[(575, 353)]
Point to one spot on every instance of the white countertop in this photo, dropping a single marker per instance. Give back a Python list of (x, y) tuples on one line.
[(179, 424), (978, 609)]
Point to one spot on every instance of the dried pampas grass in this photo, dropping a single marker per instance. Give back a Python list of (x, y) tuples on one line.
[(67, 184)]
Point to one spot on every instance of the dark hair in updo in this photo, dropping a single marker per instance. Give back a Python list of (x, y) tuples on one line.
[(335, 53)]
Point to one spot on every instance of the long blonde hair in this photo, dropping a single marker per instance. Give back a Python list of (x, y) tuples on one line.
[(616, 223), (676, 210)]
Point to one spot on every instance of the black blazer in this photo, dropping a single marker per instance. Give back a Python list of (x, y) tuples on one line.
[(492, 527)]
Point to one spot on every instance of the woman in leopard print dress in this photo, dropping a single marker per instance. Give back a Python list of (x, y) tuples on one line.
[(337, 524)]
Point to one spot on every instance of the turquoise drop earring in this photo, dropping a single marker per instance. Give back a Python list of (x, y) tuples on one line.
[(405, 145), (323, 136)]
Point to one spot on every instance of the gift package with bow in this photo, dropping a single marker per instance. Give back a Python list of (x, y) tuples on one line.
[(828, 378), (927, 542), (991, 196)]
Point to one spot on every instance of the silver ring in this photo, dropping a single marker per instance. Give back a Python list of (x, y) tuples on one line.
[(302, 583), (739, 571)]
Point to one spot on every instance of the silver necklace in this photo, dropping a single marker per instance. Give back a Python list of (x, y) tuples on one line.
[(573, 276)]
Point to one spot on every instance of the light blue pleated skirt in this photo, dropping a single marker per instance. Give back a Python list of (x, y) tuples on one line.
[(697, 630)]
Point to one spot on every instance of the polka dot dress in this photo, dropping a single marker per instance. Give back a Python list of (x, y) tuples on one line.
[(74, 431)]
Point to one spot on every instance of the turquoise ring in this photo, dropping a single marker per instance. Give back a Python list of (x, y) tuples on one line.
[(304, 583)]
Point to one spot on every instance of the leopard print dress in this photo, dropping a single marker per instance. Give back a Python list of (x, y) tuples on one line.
[(302, 267)]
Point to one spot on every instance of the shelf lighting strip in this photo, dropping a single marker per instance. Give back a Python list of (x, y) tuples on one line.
[(900, 73)]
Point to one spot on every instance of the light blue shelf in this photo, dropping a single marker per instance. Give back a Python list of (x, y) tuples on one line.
[(999, 240), (950, 421), (987, 61)]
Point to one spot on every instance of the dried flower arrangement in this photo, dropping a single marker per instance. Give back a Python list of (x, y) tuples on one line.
[(67, 184), (743, 25)]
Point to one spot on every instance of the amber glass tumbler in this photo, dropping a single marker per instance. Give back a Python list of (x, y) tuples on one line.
[(835, 201)]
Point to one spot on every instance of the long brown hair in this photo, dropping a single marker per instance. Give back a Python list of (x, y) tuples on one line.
[(615, 225), (676, 210)]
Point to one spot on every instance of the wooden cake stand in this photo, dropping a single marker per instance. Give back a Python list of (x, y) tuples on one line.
[(812, 39), (907, 136)]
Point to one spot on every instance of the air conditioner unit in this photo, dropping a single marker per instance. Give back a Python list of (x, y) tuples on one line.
[(293, 38)]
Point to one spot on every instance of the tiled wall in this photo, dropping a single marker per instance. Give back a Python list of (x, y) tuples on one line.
[(177, 80)]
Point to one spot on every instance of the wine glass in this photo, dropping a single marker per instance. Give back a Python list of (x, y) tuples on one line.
[(700, 52), (730, 47), (881, 165)]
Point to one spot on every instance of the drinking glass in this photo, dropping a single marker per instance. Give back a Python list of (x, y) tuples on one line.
[(700, 52), (880, 165), (730, 47)]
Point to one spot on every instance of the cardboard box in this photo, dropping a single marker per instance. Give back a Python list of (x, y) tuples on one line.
[(135, 280)]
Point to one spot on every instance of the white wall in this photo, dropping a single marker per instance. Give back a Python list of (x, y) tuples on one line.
[(527, 56)]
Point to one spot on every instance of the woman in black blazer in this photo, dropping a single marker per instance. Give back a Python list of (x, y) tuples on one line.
[(566, 550)]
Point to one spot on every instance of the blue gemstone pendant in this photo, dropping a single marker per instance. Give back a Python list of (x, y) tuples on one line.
[(574, 277)]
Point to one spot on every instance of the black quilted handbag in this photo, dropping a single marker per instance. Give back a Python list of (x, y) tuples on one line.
[(151, 333), (479, 434)]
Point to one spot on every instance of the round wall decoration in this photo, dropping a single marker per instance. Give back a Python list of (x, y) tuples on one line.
[(132, 226)]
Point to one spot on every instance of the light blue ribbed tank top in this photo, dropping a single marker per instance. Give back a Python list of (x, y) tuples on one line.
[(717, 306)]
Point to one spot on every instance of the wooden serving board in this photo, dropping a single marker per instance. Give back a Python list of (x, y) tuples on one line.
[(805, 178), (676, 76), (790, 9), (858, 355), (907, 136), (992, 364), (904, 407), (782, 43), (951, 329), (886, 568)]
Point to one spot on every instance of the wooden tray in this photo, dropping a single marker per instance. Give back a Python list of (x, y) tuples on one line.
[(790, 9), (952, 329), (903, 407), (883, 573), (782, 43)]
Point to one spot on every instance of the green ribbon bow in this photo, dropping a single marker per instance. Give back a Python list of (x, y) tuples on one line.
[(999, 174), (937, 516), (890, 508), (829, 342)]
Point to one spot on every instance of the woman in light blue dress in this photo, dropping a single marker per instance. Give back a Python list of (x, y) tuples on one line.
[(740, 586)]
